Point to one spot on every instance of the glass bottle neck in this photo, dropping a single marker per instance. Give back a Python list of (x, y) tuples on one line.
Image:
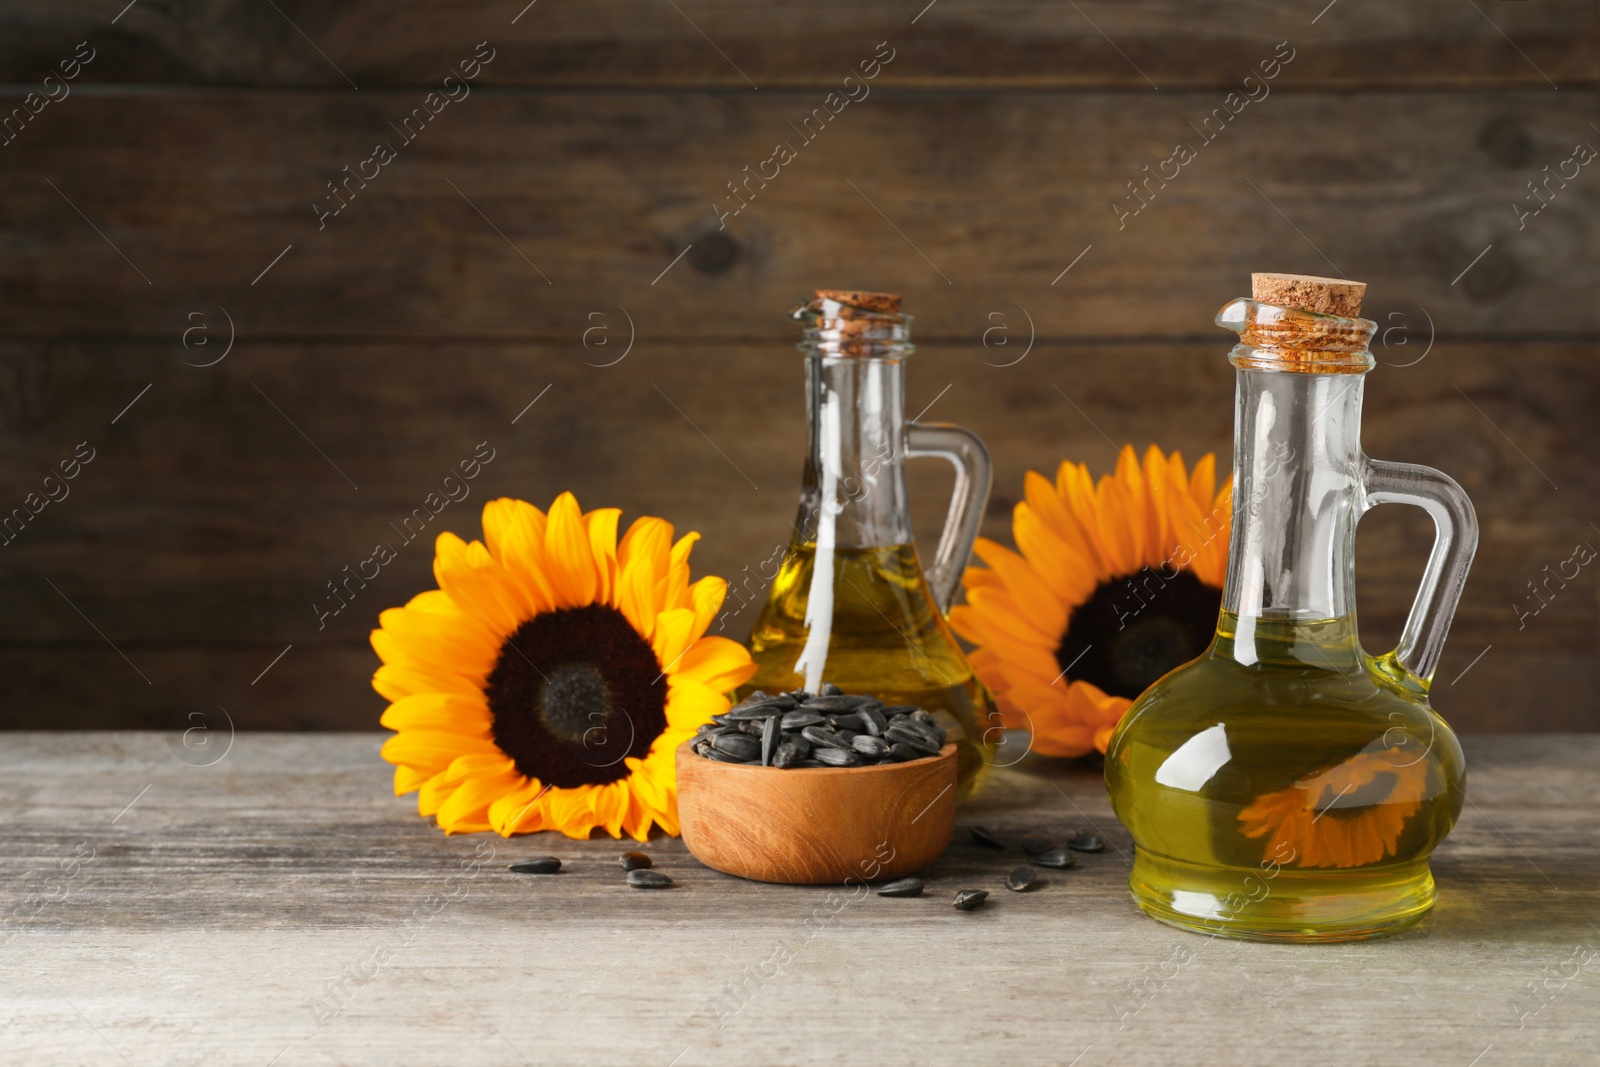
[(1297, 496), (853, 491)]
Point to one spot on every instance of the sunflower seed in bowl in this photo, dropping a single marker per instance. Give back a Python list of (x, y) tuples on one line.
[(829, 728)]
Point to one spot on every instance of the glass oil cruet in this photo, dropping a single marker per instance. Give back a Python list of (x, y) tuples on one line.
[(850, 603), (1286, 785)]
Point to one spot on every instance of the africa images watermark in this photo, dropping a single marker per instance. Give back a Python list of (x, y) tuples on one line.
[(55, 490), (411, 527), (37, 100), (453, 89), (1255, 90), (785, 153)]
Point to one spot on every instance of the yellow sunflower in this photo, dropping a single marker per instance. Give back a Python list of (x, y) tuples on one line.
[(1116, 583), (545, 684)]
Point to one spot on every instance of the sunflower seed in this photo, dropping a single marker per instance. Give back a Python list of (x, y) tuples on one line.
[(1059, 858), (756, 711), (648, 880), (904, 735), (873, 720), (1020, 880), (837, 757), (970, 899), (981, 836), (1086, 843), (905, 887), (822, 737), (791, 729), (825, 704), (867, 745), (1033, 844), (636, 861), (743, 746), (542, 865), (769, 740)]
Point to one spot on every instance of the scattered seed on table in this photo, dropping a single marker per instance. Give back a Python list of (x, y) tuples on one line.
[(981, 836), (1086, 843), (1033, 844), (636, 861), (1059, 858), (541, 865), (1020, 879), (648, 880), (905, 887), (970, 899)]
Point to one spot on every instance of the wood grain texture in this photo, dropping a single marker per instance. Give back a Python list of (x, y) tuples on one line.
[(206, 529), (282, 903), (739, 44), (169, 200), (516, 216), (817, 825)]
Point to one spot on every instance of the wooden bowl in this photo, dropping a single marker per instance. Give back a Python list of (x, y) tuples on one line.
[(817, 825)]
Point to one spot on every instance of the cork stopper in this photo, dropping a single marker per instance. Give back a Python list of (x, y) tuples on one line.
[(851, 322), (1305, 292), (883, 303)]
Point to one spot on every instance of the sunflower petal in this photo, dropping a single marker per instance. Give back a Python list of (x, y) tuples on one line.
[(449, 712), (718, 663), (513, 530), (433, 748), (601, 526), (476, 583), (467, 809), (569, 560), (671, 640)]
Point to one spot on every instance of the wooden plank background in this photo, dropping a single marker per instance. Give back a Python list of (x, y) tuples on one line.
[(168, 201)]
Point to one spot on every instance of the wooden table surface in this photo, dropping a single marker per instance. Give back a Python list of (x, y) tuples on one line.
[(280, 906)]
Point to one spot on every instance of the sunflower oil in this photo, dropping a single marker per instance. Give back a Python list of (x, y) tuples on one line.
[(1285, 785), (882, 635)]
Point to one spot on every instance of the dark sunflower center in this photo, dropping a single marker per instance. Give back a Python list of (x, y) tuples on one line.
[(574, 700), (574, 694), (1135, 629)]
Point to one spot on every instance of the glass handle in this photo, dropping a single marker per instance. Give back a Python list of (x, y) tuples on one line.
[(1455, 540), (966, 452)]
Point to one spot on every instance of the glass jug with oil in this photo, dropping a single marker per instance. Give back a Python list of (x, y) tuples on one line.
[(1287, 785), (851, 603)]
